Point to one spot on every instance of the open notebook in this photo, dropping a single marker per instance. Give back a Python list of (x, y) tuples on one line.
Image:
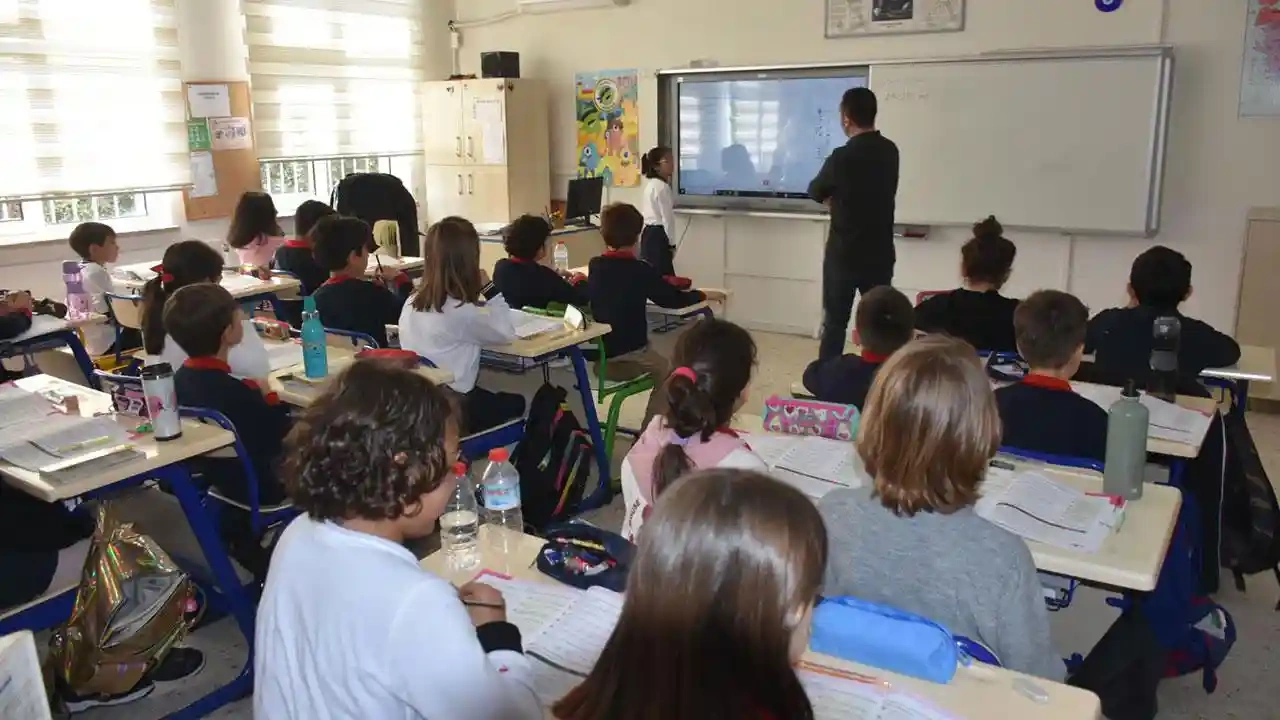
[(812, 464), (35, 436), (1038, 508), (22, 693), (1167, 421)]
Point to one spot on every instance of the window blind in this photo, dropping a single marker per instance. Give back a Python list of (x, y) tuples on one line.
[(335, 77), (90, 97)]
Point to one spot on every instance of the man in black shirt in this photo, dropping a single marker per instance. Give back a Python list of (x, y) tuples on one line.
[(858, 182)]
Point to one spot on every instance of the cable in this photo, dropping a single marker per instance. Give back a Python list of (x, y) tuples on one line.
[(481, 22)]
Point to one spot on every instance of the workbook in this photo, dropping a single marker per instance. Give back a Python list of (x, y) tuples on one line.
[(22, 693), (1168, 421), (814, 465), (1039, 508), (35, 436), (528, 324), (281, 355)]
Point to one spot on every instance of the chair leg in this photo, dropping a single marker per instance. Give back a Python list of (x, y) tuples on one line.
[(611, 427)]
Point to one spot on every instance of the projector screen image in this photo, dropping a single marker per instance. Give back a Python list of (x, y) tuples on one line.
[(756, 136)]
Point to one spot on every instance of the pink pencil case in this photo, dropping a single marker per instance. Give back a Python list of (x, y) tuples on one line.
[(794, 416)]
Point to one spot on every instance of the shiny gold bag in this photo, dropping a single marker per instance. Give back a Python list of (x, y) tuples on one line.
[(130, 610)]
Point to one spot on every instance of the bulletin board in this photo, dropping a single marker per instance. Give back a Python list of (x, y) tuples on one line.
[(224, 161)]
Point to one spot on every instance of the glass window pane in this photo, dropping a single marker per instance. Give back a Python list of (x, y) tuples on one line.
[(128, 205), (289, 182), (264, 168), (106, 208), (83, 210), (277, 183), (64, 211), (302, 175)]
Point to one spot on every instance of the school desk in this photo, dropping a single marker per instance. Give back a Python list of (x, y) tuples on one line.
[(977, 691), (48, 333), (134, 276), (166, 462), (404, 264), (339, 359)]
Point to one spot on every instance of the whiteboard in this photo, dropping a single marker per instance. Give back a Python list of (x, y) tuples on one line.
[(1073, 144)]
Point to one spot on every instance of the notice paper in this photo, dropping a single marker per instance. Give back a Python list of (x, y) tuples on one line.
[(204, 180), (528, 324), (493, 147), (230, 133), (209, 101), (1037, 508)]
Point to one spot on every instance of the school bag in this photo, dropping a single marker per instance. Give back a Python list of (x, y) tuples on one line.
[(1250, 513), (554, 460), (379, 196)]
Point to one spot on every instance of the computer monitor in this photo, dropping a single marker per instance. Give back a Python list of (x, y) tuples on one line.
[(583, 200)]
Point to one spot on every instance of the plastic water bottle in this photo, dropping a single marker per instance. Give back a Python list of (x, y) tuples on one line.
[(1126, 445), (315, 357), (460, 523), (230, 258), (501, 485), (79, 303), (561, 256)]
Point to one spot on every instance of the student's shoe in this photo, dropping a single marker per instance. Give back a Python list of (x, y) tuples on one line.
[(180, 664), (73, 703)]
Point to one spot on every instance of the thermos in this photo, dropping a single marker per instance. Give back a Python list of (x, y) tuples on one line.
[(1126, 445), (162, 401), (78, 300), (315, 356), (1166, 334)]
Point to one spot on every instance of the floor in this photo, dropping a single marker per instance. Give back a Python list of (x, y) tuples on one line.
[(1246, 682)]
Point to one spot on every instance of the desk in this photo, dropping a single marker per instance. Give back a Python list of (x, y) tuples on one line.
[(339, 359), (978, 691), (243, 290), (404, 264), (48, 332), (161, 461)]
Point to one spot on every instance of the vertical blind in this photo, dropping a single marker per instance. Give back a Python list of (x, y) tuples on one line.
[(90, 97), (335, 77)]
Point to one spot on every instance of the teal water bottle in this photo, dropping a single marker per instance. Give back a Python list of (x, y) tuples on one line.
[(315, 359), (1126, 445)]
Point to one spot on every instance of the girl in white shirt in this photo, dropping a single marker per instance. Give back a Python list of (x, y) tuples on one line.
[(657, 243), (186, 263), (455, 312)]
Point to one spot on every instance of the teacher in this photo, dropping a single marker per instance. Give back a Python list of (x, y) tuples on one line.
[(858, 182)]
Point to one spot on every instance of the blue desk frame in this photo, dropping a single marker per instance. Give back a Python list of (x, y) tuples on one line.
[(49, 341)]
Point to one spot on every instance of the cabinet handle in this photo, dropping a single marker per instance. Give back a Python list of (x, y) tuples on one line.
[(458, 152), (471, 184), (459, 183), (471, 147)]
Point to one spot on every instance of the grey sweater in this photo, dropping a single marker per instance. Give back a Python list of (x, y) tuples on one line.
[(958, 570)]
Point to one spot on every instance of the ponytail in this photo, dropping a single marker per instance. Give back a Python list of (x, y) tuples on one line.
[(649, 161), (690, 413), (153, 299), (185, 263)]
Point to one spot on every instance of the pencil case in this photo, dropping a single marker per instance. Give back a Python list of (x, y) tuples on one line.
[(585, 556), (797, 416), (884, 637)]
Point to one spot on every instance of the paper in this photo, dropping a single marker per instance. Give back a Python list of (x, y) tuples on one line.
[(813, 465), (281, 355), (230, 133), (204, 180), (1037, 508), (234, 283), (528, 324), (1167, 421), (493, 146), (19, 407), (206, 101), (58, 440), (198, 135), (22, 693), (531, 606), (859, 697)]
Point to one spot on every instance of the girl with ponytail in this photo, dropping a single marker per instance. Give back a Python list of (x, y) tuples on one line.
[(977, 312), (714, 361), (657, 243), (186, 263)]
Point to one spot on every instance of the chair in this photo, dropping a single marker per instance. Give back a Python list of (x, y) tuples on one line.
[(124, 312), (975, 650), (47, 611)]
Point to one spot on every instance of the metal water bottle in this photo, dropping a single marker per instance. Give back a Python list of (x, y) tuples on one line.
[(1166, 334), (1126, 445), (162, 401)]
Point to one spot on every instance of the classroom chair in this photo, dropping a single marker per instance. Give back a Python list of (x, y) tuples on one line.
[(123, 312), (288, 306)]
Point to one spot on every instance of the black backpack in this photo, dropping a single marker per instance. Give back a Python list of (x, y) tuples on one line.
[(379, 196), (554, 460), (1250, 513)]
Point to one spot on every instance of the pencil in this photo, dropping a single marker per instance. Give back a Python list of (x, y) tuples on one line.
[(477, 603)]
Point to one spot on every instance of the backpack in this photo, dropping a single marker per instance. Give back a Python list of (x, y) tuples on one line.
[(379, 196), (1250, 513), (554, 460)]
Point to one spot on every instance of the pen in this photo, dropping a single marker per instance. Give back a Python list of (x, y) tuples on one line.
[(477, 603)]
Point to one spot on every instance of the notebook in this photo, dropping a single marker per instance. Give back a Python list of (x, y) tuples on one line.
[(528, 324), (1168, 421), (1038, 508), (22, 693), (814, 465)]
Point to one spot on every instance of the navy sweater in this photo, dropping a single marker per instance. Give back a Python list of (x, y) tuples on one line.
[(620, 284), (357, 305), (13, 324), (845, 379), (525, 283), (1120, 339), (983, 319), (1042, 414), (295, 257)]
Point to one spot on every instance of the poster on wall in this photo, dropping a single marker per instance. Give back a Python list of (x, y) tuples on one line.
[(608, 117), (848, 18), (1260, 74)]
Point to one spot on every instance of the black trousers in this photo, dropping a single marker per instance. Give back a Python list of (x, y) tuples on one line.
[(484, 409), (841, 282), (655, 249)]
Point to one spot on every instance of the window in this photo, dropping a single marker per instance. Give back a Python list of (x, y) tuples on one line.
[(293, 181), (73, 211), (10, 211)]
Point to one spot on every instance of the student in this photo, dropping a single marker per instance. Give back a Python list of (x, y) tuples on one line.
[(885, 321), (977, 313), (522, 278), (714, 360), (186, 263), (1120, 338), (349, 624), (455, 312), (1041, 413), (255, 230), (15, 314), (95, 243), (717, 609), (910, 538), (295, 255), (346, 301), (619, 286), (657, 243)]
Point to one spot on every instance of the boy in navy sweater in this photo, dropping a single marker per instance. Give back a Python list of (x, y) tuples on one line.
[(522, 278), (346, 301), (1120, 338), (619, 286), (296, 258), (885, 321), (1042, 413)]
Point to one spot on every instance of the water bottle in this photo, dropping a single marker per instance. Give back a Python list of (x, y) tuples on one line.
[(1126, 445), (460, 523), (501, 485), (162, 401), (230, 258), (315, 358), (1166, 334), (561, 256), (79, 302)]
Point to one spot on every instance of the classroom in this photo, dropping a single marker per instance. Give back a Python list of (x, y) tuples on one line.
[(465, 358)]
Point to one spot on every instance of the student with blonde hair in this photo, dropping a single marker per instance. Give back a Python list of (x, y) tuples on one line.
[(910, 538)]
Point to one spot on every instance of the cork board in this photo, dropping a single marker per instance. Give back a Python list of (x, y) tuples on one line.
[(234, 160)]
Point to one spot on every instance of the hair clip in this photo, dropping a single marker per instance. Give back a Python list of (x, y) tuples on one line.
[(685, 372), (400, 458), (164, 276), (681, 441)]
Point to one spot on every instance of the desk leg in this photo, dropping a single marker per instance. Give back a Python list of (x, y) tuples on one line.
[(1177, 469), (605, 490), (81, 355), (1240, 400), (215, 553), (275, 305)]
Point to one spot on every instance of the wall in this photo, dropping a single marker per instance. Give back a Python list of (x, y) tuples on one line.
[(1218, 165)]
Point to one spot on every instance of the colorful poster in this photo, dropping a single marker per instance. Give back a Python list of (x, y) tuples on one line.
[(230, 133), (198, 135), (608, 115), (1260, 75)]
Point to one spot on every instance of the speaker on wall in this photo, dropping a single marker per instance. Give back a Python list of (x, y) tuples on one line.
[(500, 64)]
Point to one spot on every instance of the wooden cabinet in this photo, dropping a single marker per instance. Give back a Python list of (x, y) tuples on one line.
[(1259, 293), (487, 149)]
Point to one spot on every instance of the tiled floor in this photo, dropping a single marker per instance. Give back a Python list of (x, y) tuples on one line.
[(1246, 682)]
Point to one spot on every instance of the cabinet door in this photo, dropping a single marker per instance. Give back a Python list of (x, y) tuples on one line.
[(484, 122), (446, 191), (442, 123), (487, 197)]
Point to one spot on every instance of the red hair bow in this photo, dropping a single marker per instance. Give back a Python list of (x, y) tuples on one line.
[(164, 276)]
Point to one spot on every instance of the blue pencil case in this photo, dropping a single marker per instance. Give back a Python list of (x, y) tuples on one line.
[(884, 637), (585, 556)]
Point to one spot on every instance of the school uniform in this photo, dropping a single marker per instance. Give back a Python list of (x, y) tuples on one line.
[(247, 360), (14, 323), (358, 305), (845, 379), (260, 250), (657, 242), (295, 257), (100, 339), (528, 283), (350, 626), (1042, 414), (1120, 339), (452, 339), (982, 319)]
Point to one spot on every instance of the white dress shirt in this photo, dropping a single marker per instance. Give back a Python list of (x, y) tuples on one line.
[(97, 282), (452, 338), (658, 206)]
